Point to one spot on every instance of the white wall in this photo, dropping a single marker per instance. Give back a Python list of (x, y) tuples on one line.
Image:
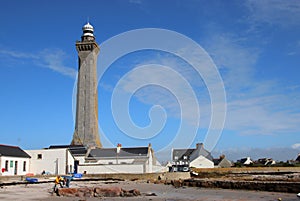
[(113, 161), (11, 165), (53, 161), (106, 169), (159, 168), (150, 162), (202, 162), (248, 161), (81, 159)]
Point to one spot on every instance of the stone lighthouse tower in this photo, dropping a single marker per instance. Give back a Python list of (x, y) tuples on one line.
[(86, 127)]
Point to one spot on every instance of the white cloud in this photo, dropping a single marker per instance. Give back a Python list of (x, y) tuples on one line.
[(18, 55), (54, 61), (296, 146), (234, 60), (274, 12), (254, 106), (47, 58), (261, 116), (172, 91)]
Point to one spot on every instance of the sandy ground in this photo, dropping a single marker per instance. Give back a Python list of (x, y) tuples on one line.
[(163, 192)]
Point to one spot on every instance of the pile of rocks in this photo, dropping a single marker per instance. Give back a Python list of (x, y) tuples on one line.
[(97, 192)]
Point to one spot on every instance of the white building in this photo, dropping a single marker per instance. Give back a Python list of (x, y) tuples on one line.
[(63, 159), (13, 161), (202, 162), (245, 161), (52, 161), (120, 160), (185, 158)]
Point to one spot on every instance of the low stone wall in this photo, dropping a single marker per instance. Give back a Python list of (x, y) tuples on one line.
[(145, 176), (247, 170), (288, 187)]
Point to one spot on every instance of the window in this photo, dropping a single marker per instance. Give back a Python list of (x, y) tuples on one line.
[(176, 157), (184, 157), (39, 156), (6, 165), (110, 163), (24, 166), (11, 164)]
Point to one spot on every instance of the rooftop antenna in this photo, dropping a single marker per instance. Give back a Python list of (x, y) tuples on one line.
[(88, 20)]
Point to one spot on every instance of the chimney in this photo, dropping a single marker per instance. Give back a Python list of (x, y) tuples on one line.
[(199, 145), (119, 146)]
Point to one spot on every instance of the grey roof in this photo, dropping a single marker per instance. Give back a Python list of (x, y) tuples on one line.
[(6, 150), (201, 152), (76, 150), (222, 162), (298, 158), (243, 160), (216, 161), (112, 152), (192, 153), (179, 153)]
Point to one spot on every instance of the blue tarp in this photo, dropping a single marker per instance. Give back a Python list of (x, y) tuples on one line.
[(31, 180), (78, 175)]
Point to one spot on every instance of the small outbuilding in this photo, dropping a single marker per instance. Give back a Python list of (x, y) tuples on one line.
[(13, 160)]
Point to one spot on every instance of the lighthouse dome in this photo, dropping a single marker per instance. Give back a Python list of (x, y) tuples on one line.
[(88, 30)]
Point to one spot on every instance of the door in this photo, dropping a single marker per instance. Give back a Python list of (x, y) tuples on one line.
[(76, 163), (16, 168)]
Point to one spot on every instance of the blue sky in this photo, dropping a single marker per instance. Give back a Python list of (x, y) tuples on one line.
[(255, 46)]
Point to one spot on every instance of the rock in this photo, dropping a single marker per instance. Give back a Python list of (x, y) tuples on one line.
[(97, 192), (85, 192), (135, 192), (70, 192), (150, 194), (108, 192), (131, 193), (177, 183), (75, 192), (151, 180)]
